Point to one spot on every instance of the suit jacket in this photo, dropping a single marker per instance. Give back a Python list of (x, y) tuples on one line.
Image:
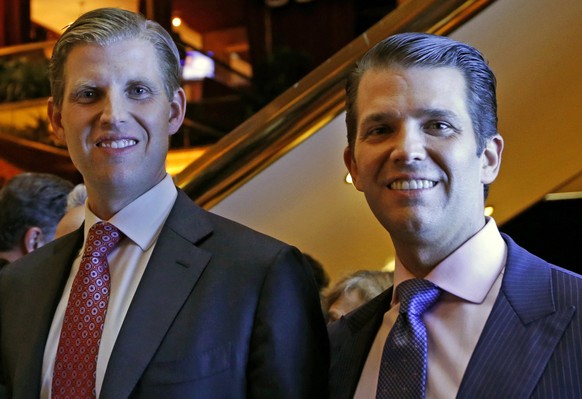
[(221, 312), (530, 346)]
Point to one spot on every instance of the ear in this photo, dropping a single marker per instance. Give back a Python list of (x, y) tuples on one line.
[(491, 159), (33, 239), (177, 111), (352, 167), (55, 119)]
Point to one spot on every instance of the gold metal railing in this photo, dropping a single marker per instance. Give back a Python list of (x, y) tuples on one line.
[(309, 105)]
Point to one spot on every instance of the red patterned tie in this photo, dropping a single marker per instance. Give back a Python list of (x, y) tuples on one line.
[(76, 360)]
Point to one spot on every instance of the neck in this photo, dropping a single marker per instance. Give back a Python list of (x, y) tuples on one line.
[(419, 262), (105, 200), (11, 255), (421, 251), (421, 257), (106, 208)]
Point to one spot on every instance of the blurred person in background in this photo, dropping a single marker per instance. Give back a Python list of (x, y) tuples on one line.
[(31, 205), (353, 291), (75, 212)]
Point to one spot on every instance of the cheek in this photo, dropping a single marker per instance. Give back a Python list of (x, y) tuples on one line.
[(72, 136), (457, 157), (466, 174), (76, 119), (369, 162)]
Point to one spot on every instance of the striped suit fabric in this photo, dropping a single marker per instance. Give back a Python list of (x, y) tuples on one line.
[(530, 347)]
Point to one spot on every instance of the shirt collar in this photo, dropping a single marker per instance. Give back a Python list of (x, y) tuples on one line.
[(470, 271), (143, 219)]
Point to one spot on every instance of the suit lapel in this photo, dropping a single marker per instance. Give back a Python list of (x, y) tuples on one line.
[(41, 299), (169, 278), (521, 333), (349, 357)]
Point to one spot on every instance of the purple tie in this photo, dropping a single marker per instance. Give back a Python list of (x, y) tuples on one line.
[(76, 360), (403, 367)]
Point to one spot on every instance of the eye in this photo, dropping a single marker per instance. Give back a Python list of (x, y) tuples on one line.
[(439, 128), (139, 92), (86, 95), (376, 131)]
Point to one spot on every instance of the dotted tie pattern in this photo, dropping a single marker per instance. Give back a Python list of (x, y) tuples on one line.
[(76, 360), (403, 367)]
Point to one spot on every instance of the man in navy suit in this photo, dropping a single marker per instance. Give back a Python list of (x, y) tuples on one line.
[(198, 306), (423, 147)]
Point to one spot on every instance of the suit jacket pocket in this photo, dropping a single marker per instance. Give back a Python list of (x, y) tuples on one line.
[(193, 367)]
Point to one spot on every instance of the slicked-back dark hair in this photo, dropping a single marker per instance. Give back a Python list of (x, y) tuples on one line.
[(430, 51)]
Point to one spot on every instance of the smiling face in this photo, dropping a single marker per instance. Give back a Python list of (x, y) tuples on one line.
[(415, 158), (116, 119)]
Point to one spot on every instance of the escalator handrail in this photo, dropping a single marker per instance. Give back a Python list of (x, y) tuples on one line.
[(311, 103)]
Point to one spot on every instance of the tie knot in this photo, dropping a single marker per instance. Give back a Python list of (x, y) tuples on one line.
[(101, 239), (417, 295)]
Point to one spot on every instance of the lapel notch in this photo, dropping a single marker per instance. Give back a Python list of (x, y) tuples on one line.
[(170, 276), (521, 334)]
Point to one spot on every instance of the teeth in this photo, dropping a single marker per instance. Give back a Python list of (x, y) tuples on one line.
[(412, 184), (117, 143)]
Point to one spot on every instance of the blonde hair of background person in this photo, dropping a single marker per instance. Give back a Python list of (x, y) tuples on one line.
[(75, 212), (353, 291)]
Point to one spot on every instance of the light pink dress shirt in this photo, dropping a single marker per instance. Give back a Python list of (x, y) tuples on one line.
[(470, 279)]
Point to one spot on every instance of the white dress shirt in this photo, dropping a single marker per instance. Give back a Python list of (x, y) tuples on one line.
[(470, 279), (141, 222)]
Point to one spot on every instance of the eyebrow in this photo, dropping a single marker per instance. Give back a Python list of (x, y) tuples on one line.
[(437, 113), (432, 113), (81, 83), (140, 81), (379, 117)]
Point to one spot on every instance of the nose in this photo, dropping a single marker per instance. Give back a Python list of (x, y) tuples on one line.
[(408, 145), (114, 109)]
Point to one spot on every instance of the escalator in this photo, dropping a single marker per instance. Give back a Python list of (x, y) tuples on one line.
[(310, 104)]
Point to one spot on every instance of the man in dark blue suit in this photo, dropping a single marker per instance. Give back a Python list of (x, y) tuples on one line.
[(423, 147), (197, 306)]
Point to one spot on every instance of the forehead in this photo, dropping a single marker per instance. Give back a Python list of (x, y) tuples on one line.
[(124, 58), (407, 89)]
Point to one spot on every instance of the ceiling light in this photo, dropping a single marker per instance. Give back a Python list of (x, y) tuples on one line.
[(176, 21), (489, 210)]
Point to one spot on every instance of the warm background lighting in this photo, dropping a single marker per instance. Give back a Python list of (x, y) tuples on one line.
[(390, 266)]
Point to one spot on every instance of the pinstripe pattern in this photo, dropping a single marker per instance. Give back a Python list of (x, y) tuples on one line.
[(563, 377), (530, 347)]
